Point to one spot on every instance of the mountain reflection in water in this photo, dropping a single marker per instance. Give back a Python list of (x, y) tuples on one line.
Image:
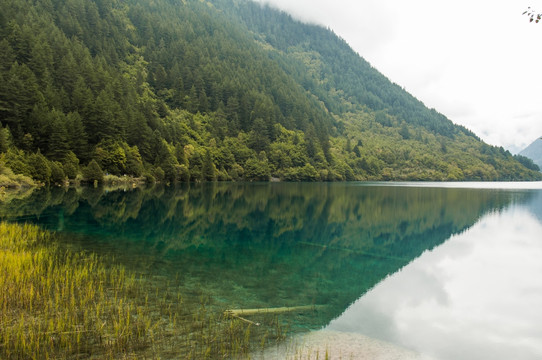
[(477, 296), (256, 245)]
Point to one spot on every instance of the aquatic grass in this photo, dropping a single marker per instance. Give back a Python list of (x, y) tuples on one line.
[(61, 304), (57, 303)]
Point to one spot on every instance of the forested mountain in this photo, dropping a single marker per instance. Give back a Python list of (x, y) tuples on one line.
[(534, 152), (190, 90)]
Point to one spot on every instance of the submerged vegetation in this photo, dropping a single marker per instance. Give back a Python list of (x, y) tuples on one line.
[(151, 272), (201, 249), (57, 303), (60, 304)]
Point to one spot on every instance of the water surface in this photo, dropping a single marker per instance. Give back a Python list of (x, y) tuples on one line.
[(445, 270), (476, 296)]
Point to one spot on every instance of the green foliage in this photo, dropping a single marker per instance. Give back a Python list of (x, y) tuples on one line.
[(257, 168), (39, 168), (148, 178), (111, 157), (4, 140), (236, 172), (10, 180), (305, 173), (158, 174), (528, 163), (16, 161), (93, 172), (198, 91), (70, 165), (344, 171), (209, 171), (134, 163), (183, 174), (57, 173)]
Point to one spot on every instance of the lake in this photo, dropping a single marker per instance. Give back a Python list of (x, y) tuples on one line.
[(395, 270)]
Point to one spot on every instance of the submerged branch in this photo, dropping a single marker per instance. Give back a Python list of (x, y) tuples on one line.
[(279, 310)]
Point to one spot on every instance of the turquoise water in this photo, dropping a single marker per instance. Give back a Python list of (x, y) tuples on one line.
[(261, 245)]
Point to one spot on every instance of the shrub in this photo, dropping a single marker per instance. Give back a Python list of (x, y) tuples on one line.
[(93, 172), (39, 168), (57, 173), (70, 165), (158, 174)]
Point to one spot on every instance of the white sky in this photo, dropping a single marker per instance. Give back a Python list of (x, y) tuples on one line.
[(476, 61)]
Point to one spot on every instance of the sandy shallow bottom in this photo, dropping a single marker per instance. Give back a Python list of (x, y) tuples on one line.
[(338, 345)]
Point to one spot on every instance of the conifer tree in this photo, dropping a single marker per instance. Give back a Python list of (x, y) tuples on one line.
[(58, 141), (208, 169)]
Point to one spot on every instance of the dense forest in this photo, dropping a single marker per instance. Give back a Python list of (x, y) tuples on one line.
[(193, 90)]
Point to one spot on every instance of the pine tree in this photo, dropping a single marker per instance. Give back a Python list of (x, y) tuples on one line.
[(58, 138), (70, 165), (57, 173), (208, 169), (191, 101), (259, 136), (4, 139), (7, 56), (77, 136)]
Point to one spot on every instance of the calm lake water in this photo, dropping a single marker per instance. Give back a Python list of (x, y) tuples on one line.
[(436, 270)]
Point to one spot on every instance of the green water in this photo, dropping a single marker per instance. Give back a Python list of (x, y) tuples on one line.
[(261, 245)]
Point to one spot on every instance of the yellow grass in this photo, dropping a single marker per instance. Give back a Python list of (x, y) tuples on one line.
[(57, 304)]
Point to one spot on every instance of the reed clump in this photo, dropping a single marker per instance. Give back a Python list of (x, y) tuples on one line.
[(60, 304)]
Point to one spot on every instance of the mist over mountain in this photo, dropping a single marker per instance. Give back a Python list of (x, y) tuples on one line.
[(196, 90), (534, 152)]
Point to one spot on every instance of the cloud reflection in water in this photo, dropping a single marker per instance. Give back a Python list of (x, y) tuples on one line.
[(477, 296)]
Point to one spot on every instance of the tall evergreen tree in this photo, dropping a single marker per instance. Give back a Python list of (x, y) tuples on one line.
[(58, 141), (208, 169)]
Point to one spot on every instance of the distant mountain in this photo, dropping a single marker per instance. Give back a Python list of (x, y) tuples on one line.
[(534, 152), (195, 90)]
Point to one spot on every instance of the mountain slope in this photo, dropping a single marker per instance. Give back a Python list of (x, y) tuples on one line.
[(534, 152), (340, 67), (225, 89)]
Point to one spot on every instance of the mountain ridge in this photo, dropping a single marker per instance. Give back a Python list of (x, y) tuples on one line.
[(534, 152), (213, 90)]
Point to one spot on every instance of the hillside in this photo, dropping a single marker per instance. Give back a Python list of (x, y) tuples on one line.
[(220, 90), (534, 152)]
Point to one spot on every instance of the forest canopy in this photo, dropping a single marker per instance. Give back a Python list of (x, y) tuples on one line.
[(171, 91)]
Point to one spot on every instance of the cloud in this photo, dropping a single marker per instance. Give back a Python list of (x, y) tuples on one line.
[(463, 299), (475, 62), (353, 20)]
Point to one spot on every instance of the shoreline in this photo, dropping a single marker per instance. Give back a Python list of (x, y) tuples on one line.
[(332, 344)]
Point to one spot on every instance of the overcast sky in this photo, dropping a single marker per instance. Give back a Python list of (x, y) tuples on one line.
[(478, 62)]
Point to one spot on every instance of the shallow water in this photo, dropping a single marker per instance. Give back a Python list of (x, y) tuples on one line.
[(442, 270)]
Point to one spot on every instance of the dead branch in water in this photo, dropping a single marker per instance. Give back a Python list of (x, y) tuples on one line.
[(279, 310)]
